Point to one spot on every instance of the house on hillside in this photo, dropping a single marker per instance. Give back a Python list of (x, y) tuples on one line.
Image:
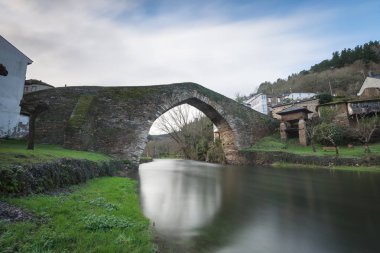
[(299, 96), (262, 103), (13, 65), (310, 104), (347, 111), (293, 123), (370, 87), (366, 105)]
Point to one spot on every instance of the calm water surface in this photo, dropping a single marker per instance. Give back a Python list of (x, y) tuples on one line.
[(201, 207)]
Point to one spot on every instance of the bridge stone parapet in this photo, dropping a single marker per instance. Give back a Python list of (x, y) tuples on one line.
[(117, 120)]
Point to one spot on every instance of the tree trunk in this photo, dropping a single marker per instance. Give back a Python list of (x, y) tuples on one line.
[(336, 150), (366, 148), (32, 121), (313, 146)]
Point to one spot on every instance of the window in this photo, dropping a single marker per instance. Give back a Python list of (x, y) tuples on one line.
[(3, 70), (34, 88)]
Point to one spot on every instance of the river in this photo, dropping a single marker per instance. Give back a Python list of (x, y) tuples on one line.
[(202, 207)]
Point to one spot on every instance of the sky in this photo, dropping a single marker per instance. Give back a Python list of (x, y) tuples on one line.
[(227, 46)]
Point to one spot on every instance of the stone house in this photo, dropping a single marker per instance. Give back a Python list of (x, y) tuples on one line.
[(368, 103), (13, 65), (310, 104), (370, 87), (293, 123), (346, 111)]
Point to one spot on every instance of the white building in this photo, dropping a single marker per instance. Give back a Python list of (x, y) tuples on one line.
[(13, 64), (259, 103), (370, 82), (299, 96)]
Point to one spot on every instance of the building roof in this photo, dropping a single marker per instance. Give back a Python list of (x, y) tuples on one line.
[(29, 61), (294, 109), (370, 82), (294, 102)]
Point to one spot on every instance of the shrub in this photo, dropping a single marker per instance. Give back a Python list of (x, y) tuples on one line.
[(36, 178), (329, 134)]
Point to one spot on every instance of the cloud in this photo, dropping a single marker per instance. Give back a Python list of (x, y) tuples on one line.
[(114, 43)]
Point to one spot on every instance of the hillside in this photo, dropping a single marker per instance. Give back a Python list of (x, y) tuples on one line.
[(345, 72)]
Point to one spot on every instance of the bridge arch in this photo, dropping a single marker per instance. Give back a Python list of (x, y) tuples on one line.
[(116, 120), (227, 135)]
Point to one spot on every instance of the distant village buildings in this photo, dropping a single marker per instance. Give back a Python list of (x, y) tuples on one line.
[(310, 104), (366, 105), (259, 103), (13, 65), (295, 109), (262, 103), (370, 87), (299, 96), (271, 105)]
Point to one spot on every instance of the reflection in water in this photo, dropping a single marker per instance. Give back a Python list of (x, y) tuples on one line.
[(179, 198), (199, 207)]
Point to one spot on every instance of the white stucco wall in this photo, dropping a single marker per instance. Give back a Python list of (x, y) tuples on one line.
[(369, 82), (259, 103), (300, 96), (11, 86)]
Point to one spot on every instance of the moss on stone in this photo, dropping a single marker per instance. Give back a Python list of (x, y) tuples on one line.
[(130, 92), (78, 117)]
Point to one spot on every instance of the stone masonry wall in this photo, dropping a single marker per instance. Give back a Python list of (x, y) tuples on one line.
[(117, 120)]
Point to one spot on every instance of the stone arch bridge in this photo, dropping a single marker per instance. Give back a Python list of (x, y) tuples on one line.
[(117, 120)]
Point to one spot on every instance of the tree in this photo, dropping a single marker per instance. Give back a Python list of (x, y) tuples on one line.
[(239, 98), (328, 114), (324, 98), (187, 128), (34, 110), (311, 130), (331, 133), (364, 129)]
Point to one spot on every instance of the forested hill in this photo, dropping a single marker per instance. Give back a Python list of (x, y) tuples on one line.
[(345, 71)]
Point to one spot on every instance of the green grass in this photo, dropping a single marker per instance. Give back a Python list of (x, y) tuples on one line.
[(102, 215), (375, 169), (273, 143), (13, 152), (83, 106)]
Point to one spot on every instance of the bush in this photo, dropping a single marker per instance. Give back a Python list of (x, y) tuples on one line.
[(36, 178), (215, 153), (324, 98), (329, 134)]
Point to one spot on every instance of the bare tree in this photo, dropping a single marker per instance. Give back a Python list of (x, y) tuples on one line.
[(311, 130), (365, 127), (329, 132), (186, 126)]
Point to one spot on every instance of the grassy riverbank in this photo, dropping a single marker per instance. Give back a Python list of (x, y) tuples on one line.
[(372, 169), (102, 215), (273, 143), (14, 152), (271, 151), (49, 167)]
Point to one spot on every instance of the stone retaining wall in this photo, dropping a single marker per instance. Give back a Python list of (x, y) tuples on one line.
[(266, 158)]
